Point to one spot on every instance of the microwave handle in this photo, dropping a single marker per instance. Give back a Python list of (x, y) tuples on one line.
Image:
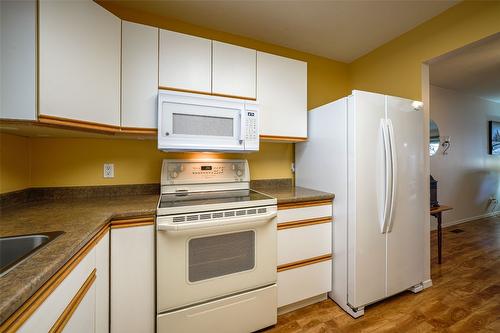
[(207, 224), (242, 125)]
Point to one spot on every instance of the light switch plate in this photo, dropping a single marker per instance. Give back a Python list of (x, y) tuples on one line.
[(109, 170)]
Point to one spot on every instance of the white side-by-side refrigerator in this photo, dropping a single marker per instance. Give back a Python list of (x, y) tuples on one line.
[(368, 149)]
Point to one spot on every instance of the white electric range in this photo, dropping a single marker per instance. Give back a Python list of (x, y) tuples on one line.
[(216, 249)]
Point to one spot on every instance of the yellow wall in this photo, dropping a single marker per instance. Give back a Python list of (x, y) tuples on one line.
[(395, 68), (14, 163), (79, 162), (45, 162)]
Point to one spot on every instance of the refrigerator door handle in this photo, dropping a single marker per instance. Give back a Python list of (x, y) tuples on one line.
[(387, 174), (394, 178)]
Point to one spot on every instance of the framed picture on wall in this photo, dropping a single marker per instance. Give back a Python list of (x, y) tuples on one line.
[(494, 137)]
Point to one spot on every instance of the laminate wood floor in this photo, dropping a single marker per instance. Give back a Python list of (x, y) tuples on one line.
[(465, 296)]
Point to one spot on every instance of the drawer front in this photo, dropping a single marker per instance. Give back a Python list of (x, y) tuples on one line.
[(305, 213), (49, 311), (304, 282), (296, 244), (245, 312)]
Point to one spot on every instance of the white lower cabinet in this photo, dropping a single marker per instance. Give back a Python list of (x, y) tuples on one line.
[(303, 243), (80, 302), (83, 319), (133, 279), (301, 283), (304, 253), (304, 213), (55, 308), (102, 285)]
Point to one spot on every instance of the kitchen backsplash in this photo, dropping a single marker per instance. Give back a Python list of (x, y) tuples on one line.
[(49, 162)]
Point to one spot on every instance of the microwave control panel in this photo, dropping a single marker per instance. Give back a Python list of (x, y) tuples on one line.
[(251, 124)]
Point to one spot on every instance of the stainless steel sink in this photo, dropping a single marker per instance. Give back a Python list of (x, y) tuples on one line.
[(15, 249)]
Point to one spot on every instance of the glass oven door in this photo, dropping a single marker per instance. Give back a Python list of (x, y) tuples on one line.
[(199, 264), (215, 256)]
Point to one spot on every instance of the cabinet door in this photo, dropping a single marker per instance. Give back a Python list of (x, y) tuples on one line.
[(132, 279), (282, 96), (79, 45), (233, 72), (185, 62), (56, 306), (139, 75), (18, 60), (102, 285), (82, 319)]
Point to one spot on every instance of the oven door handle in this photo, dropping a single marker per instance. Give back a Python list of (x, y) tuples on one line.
[(169, 226)]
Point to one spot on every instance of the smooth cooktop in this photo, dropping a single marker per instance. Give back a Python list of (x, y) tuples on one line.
[(209, 198)]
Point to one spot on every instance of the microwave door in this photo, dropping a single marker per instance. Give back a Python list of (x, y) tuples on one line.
[(191, 126)]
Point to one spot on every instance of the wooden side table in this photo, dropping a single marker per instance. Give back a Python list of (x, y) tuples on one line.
[(437, 213)]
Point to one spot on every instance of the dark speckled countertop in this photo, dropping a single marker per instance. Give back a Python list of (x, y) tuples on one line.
[(79, 218), (284, 192)]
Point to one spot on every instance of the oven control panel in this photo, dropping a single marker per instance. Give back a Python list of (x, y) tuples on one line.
[(204, 171)]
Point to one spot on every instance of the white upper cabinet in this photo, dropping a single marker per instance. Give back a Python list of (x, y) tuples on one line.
[(185, 62), (139, 75), (282, 96), (18, 60), (79, 59), (234, 70)]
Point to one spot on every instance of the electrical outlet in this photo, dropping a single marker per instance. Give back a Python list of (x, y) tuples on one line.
[(109, 170)]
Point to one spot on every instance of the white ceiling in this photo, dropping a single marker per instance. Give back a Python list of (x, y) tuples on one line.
[(473, 70), (340, 30)]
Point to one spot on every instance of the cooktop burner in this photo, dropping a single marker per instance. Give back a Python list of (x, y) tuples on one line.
[(180, 199)]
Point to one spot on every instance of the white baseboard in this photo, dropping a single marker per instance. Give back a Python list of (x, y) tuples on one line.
[(469, 219)]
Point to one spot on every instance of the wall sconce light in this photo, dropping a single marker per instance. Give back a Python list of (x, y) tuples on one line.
[(446, 144)]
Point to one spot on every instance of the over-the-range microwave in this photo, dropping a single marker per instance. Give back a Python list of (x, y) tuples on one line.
[(195, 122)]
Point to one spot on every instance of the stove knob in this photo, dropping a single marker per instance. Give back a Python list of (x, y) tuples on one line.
[(173, 174), (239, 173)]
